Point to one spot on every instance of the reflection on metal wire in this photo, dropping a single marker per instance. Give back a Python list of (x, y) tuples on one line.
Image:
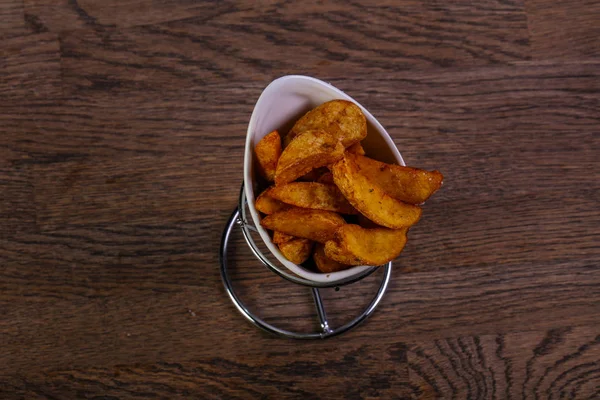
[(239, 218)]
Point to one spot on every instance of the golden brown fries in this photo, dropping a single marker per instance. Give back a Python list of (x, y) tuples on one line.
[(334, 251), (341, 118), (267, 204), (316, 225), (369, 199), (323, 172), (309, 150), (375, 246), (324, 263), (280, 237), (268, 151), (318, 196), (410, 185), (357, 149), (296, 250)]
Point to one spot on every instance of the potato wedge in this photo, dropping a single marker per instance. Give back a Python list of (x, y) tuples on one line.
[(357, 149), (369, 199), (268, 150), (267, 204), (296, 250), (326, 178), (309, 150), (318, 196), (375, 246), (316, 225), (335, 252), (341, 118), (324, 263), (410, 185), (280, 237)]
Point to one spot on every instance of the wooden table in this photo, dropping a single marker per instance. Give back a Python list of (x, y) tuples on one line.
[(122, 126)]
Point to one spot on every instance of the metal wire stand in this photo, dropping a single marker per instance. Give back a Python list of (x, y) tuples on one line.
[(238, 218)]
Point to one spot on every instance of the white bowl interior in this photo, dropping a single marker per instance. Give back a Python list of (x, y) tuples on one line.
[(283, 102)]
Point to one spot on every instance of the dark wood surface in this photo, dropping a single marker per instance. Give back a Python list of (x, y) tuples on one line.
[(122, 127)]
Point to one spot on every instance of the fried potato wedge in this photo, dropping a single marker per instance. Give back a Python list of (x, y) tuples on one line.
[(341, 118), (318, 196), (280, 237), (296, 250), (267, 204), (375, 246), (357, 149), (334, 251), (369, 199), (316, 225), (268, 150), (410, 185), (309, 150), (324, 263), (326, 178)]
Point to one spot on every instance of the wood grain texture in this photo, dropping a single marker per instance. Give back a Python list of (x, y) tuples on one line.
[(565, 30), (556, 364), (261, 42), (29, 67), (274, 375), (12, 22), (16, 196), (122, 127)]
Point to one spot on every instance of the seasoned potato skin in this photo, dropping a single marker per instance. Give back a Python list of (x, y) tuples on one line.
[(375, 246), (318, 196), (325, 264), (280, 237), (309, 150), (267, 204), (341, 118), (268, 151), (411, 185), (369, 199), (334, 251), (316, 225), (296, 250), (357, 149)]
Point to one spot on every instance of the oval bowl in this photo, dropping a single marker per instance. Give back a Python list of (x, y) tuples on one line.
[(279, 106)]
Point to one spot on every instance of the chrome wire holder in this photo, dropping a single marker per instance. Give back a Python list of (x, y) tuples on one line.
[(238, 218)]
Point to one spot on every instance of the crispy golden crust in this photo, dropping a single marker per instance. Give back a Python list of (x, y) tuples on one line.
[(268, 151), (341, 118), (357, 149), (313, 195), (309, 150), (375, 246), (410, 185), (369, 199), (296, 250), (280, 237), (267, 204), (324, 263), (334, 251), (316, 225)]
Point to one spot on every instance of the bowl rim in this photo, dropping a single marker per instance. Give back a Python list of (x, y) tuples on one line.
[(333, 277)]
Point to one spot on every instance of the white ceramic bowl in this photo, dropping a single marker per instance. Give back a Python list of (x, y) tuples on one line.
[(279, 106)]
